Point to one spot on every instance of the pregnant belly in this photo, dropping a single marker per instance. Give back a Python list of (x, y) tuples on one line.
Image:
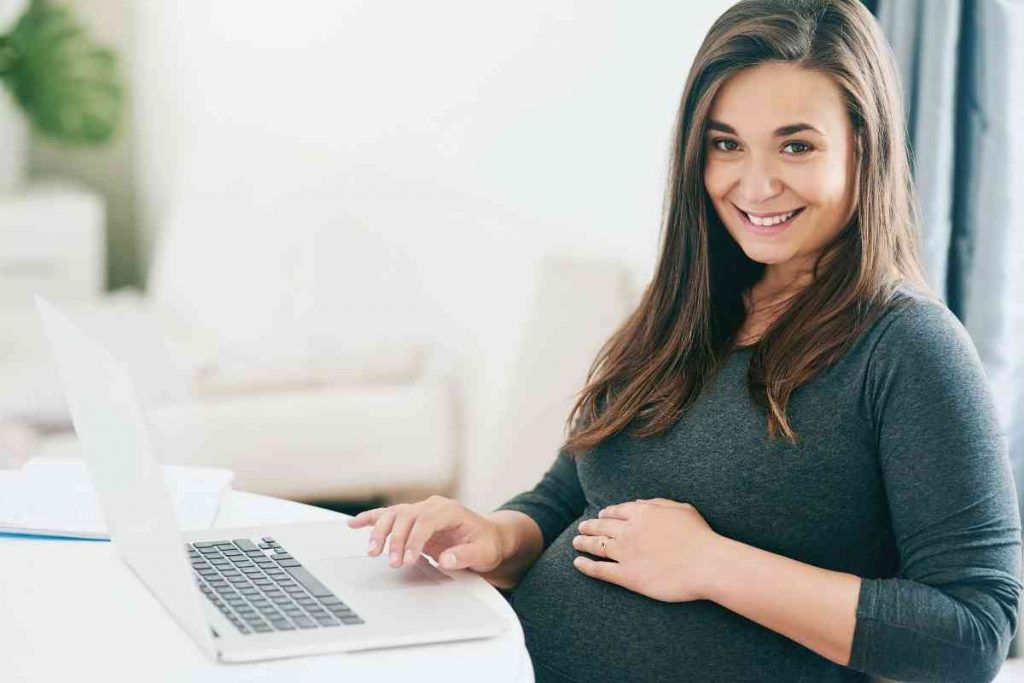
[(580, 628)]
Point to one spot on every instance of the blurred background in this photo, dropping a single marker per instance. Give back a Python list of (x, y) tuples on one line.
[(366, 251)]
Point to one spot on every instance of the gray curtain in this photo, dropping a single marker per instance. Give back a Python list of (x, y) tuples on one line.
[(962, 64)]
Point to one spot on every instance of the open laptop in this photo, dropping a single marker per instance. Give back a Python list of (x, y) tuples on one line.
[(248, 593)]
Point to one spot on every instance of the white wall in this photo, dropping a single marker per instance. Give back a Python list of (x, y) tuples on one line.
[(558, 111)]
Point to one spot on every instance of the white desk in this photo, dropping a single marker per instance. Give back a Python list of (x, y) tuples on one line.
[(72, 610)]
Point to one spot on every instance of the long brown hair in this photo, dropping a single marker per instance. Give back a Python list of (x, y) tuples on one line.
[(654, 366)]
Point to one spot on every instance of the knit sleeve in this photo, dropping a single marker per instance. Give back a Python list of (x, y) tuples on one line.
[(951, 611), (554, 503)]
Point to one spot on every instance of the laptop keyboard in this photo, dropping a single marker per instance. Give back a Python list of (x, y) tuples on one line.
[(261, 588)]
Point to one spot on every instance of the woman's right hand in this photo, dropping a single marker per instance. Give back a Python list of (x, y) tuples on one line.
[(440, 527)]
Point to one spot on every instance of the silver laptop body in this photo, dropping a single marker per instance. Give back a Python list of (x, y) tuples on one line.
[(387, 607)]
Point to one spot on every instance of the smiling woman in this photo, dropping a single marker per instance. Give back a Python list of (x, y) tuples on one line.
[(675, 537), (881, 535)]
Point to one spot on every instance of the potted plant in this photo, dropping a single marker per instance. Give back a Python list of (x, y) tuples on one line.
[(54, 78)]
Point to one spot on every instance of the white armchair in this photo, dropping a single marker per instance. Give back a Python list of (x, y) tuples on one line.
[(342, 440)]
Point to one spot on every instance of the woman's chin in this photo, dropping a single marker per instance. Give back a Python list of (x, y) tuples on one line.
[(766, 254)]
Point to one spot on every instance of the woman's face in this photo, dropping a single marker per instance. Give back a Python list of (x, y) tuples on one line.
[(779, 140)]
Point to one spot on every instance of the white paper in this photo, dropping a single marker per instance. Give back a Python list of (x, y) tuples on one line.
[(55, 497)]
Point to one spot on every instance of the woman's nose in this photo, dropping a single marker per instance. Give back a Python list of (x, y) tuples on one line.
[(759, 182)]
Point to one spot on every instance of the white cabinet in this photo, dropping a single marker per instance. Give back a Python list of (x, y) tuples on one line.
[(51, 243)]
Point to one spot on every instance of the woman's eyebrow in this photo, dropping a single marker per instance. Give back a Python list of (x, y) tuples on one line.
[(781, 131)]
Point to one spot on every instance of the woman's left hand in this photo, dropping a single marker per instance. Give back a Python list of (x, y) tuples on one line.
[(659, 548)]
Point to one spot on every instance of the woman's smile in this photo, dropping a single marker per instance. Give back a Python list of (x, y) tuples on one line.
[(768, 224)]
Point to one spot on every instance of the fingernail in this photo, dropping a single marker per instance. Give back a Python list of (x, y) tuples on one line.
[(448, 560), (394, 557), (410, 556), (373, 547)]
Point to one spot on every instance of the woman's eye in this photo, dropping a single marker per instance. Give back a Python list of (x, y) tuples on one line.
[(805, 147), (721, 141)]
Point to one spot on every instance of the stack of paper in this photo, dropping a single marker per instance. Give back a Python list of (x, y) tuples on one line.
[(55, 497)]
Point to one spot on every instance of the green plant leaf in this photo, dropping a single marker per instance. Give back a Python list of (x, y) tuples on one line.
[(67, 84)]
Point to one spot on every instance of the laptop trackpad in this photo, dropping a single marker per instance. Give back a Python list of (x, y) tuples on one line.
[(374, 573)]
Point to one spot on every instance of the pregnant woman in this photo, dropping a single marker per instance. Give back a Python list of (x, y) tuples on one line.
[(786, 464)]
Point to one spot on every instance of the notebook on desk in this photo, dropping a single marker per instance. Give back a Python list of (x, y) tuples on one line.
[(247, 593), (55, 498)]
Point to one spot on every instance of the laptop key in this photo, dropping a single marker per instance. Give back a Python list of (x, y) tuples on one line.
[(245, 544), (304, 622), (338, 608), (302, 575)]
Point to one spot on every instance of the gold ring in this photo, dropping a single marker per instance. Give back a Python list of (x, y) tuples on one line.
[(604, 542)]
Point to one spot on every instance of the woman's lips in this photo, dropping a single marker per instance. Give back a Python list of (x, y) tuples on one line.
[(766, 229)]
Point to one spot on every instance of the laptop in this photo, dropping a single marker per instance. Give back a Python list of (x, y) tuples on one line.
[(247, 593)]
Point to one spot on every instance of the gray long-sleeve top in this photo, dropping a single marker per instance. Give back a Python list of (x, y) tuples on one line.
[(901, 476)]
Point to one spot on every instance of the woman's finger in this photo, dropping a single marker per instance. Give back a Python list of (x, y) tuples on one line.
[(381, 529), (365, 517), (400, 531)]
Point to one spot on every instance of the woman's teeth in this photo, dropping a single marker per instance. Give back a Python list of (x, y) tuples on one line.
[(774, 220)]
